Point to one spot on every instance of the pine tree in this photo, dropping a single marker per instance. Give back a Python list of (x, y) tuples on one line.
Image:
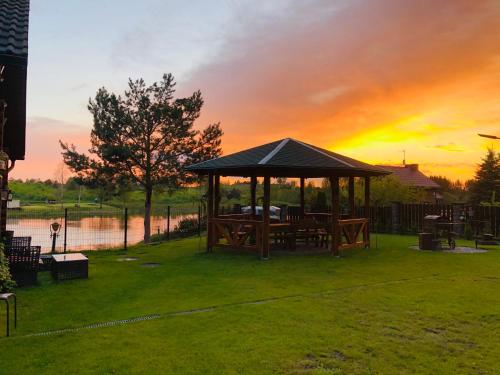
[(144, 137), (486, 184)]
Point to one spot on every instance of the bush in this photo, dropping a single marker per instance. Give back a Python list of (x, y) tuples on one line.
[(185, 228), (6, 283)]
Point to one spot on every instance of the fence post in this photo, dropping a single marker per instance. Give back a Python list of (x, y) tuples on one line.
[(65, 229), (199, 220), (168, 222), (126, 228), (396, 217)]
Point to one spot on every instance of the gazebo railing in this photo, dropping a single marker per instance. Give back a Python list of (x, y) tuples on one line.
[(353, 233), (236, 233)]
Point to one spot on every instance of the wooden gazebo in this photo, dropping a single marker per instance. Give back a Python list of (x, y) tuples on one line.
[(284, 158)]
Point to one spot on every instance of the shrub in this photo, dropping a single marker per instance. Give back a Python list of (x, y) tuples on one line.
[(6, 283), (185, 228)]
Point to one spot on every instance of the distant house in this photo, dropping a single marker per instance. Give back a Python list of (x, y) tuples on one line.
[(409, 175), (14, 204)]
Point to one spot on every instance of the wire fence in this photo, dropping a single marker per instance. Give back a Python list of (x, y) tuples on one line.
[(93, 229)]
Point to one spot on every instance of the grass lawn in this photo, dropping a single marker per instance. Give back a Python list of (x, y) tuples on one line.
[(389, 310), (57, 207)]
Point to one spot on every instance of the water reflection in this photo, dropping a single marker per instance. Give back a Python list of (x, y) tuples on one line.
[(89, 233)]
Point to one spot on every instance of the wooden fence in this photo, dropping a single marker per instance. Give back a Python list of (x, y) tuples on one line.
[(408, 218)]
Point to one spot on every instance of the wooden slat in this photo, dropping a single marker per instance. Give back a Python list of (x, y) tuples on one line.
[(367, 208), (216, 195), (266, 218), (253, 192), (334, 183), (210, 212), (352, 213), (302, 197)]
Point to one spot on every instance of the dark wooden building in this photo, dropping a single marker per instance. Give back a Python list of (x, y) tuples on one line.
[(14, 16), (284, 158)]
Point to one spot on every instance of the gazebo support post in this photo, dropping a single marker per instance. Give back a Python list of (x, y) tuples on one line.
[(216, 195), (253, 193), (265, 215), (210, 212), (367, 210), (352, 213), (302, 197), (334, 183)]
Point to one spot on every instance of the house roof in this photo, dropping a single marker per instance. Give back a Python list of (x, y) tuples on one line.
[(14, 17), (410, 175), (288, 158)]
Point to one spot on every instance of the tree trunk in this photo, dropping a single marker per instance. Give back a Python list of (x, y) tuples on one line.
[(147, 215)]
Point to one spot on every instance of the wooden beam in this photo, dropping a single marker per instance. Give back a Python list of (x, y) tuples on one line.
[(334, 183), (265, 215), (302, 197), (210, 211), (216, 195), (367, 209), (253, 192), (352, 213)]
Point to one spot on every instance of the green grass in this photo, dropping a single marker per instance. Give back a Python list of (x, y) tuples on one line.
[(389, 310), (58, 206)]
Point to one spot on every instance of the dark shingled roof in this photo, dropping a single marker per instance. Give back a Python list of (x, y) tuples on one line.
[(14, 17), (287, 157), (410, 175)]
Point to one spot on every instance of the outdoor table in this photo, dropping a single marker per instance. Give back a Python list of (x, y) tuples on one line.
[(70, 266)]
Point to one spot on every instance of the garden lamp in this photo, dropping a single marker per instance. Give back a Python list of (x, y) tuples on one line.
[(55, 227)]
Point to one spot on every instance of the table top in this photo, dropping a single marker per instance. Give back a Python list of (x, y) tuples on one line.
[(68, 257)]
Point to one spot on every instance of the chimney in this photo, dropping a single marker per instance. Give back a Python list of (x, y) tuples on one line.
[(412, 167)]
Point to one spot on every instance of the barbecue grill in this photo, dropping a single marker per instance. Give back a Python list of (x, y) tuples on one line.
[(436, 229)]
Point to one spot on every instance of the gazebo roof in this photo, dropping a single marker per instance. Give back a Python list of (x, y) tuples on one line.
[(286, 158)]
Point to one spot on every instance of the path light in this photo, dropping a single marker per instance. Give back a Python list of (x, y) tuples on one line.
[(55, 227)]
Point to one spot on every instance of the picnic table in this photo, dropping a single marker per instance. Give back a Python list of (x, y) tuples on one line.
[(288, 233)]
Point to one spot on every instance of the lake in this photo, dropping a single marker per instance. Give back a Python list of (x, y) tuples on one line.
[(91, 232)]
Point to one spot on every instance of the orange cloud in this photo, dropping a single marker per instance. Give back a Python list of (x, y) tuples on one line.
[(366, 78)]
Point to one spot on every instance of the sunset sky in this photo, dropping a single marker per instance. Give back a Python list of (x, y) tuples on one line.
[(368, 79)]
